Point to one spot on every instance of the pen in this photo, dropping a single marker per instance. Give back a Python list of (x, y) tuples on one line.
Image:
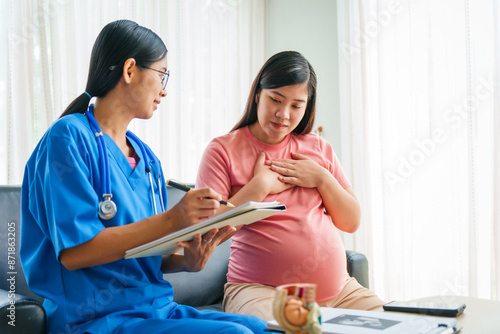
[(184, 187)]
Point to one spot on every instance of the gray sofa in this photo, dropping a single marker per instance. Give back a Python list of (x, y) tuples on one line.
[(203, 290)]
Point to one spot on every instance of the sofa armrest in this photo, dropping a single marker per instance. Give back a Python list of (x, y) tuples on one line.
[(357, 267), (20, 314)]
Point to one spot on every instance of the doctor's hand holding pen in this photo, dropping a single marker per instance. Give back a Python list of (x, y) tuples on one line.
[(109, 245)]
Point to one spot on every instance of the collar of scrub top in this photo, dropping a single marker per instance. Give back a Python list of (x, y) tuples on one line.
[(107, 208), (147, 154)]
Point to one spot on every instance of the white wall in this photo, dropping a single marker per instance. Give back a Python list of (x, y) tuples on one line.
[(310, 27)]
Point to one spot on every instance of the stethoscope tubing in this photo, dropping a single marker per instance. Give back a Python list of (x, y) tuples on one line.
[(103, 151), (104, 163), (147, 163)]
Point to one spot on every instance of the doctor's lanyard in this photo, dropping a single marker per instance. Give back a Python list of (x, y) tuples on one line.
[(107, 208)]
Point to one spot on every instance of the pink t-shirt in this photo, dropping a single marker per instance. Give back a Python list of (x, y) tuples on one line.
[(299, 245)]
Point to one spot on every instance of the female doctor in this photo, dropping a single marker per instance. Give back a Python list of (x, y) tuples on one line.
[(93, 190)]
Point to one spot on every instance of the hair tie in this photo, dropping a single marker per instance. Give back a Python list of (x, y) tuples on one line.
[(88, 94)]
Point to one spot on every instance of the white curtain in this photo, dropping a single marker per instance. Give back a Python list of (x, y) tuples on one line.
[(215, 50), (421, 120)]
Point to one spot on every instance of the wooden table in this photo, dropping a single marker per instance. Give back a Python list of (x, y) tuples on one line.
[(481, 316)]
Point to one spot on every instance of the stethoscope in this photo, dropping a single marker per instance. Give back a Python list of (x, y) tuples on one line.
[(107, 208)]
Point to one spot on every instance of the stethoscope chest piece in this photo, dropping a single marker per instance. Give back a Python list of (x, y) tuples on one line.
[(107, 208)]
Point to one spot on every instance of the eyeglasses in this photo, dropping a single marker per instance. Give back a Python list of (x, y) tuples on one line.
[(164, 78)]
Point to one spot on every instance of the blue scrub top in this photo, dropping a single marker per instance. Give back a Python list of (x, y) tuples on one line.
[(60, 195)]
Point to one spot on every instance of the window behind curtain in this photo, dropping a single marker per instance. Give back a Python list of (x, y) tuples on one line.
[(420, 104)]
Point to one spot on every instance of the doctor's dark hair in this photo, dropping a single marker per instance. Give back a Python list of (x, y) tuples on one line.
[(117, 42), (283, 69)]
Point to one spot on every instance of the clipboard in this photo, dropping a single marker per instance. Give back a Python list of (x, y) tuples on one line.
[(242, 215)]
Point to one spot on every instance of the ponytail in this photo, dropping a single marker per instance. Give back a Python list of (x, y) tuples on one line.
[(79, 105)]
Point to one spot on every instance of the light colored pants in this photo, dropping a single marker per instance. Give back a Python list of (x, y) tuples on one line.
[(257, 299)]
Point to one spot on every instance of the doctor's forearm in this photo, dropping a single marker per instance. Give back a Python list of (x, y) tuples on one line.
[(111, 243)]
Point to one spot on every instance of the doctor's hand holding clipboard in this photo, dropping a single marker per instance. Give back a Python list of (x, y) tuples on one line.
[(92, 190)]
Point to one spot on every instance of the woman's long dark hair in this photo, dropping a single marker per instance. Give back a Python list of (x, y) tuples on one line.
[(283, 69), (117, 42)]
